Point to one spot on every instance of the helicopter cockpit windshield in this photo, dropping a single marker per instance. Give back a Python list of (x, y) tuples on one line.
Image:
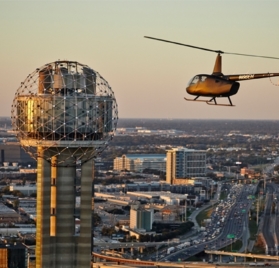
[(196, 79)]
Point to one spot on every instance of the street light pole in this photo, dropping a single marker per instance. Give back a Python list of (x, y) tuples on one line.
[(258, 210), (186, 209), (264, 182), (157, 253)]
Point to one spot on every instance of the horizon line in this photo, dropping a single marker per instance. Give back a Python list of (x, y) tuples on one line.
[(232, 119)]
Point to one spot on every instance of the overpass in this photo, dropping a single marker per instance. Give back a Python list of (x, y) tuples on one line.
[(247, 255), (121, 261), (114, 262)]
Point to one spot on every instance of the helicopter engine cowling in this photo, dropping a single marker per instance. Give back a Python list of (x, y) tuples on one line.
[(212, 86), (234, 88)]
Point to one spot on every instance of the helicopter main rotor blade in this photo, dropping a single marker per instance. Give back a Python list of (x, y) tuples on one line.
[(249, 55), (176, 43), (211, 50)]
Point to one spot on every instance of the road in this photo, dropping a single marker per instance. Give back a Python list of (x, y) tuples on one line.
[(234, 211), (268, 224)]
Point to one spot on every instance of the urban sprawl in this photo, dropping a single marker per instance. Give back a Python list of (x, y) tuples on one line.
[(161, 193)]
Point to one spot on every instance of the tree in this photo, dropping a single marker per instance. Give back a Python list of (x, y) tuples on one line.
[(5, 190), (108, 231), (16, 204), (96, 219), (17, 193), (276, 168)]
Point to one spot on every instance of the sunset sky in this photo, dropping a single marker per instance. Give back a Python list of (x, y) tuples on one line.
[(148, 77)]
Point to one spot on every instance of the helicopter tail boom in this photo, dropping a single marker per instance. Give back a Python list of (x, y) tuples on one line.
[(241, 77)]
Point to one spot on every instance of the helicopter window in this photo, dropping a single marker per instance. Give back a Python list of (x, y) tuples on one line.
[(194, 80), (197, 79), (202, 78)]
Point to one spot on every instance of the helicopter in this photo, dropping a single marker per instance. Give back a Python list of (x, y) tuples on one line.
[(217, 85)]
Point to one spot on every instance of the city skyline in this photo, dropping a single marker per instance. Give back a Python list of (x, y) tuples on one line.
[(148, 77)]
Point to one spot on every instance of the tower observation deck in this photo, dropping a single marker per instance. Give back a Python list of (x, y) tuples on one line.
[(65, 114)]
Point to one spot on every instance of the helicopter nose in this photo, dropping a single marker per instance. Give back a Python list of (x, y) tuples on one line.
[(192, 89)]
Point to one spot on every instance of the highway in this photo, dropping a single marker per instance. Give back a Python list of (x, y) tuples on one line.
[(270, 227), (234, 211), (128, 245), (276, 221), (268, 224)]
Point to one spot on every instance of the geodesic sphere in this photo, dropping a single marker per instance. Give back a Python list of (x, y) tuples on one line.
[(65, 108)]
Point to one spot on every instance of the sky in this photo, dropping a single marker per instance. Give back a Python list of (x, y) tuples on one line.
[(148, 77)]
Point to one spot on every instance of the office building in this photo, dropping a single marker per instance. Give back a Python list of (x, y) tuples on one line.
[(185, 163), (141, 218), (140, 162)]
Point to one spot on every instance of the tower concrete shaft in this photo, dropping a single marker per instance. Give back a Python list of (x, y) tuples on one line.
[(58, 243)]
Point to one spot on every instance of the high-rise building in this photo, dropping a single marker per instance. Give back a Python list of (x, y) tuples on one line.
[(185, 163), (64, 114), (141, 218)]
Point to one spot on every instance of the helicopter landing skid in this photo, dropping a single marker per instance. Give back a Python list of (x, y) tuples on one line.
[(209, 102), (195, 100), (215, 103)]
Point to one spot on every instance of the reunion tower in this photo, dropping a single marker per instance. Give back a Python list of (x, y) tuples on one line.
[(64, 113)]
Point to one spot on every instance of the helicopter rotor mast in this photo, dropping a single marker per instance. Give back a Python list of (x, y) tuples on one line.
[(217, 70)]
